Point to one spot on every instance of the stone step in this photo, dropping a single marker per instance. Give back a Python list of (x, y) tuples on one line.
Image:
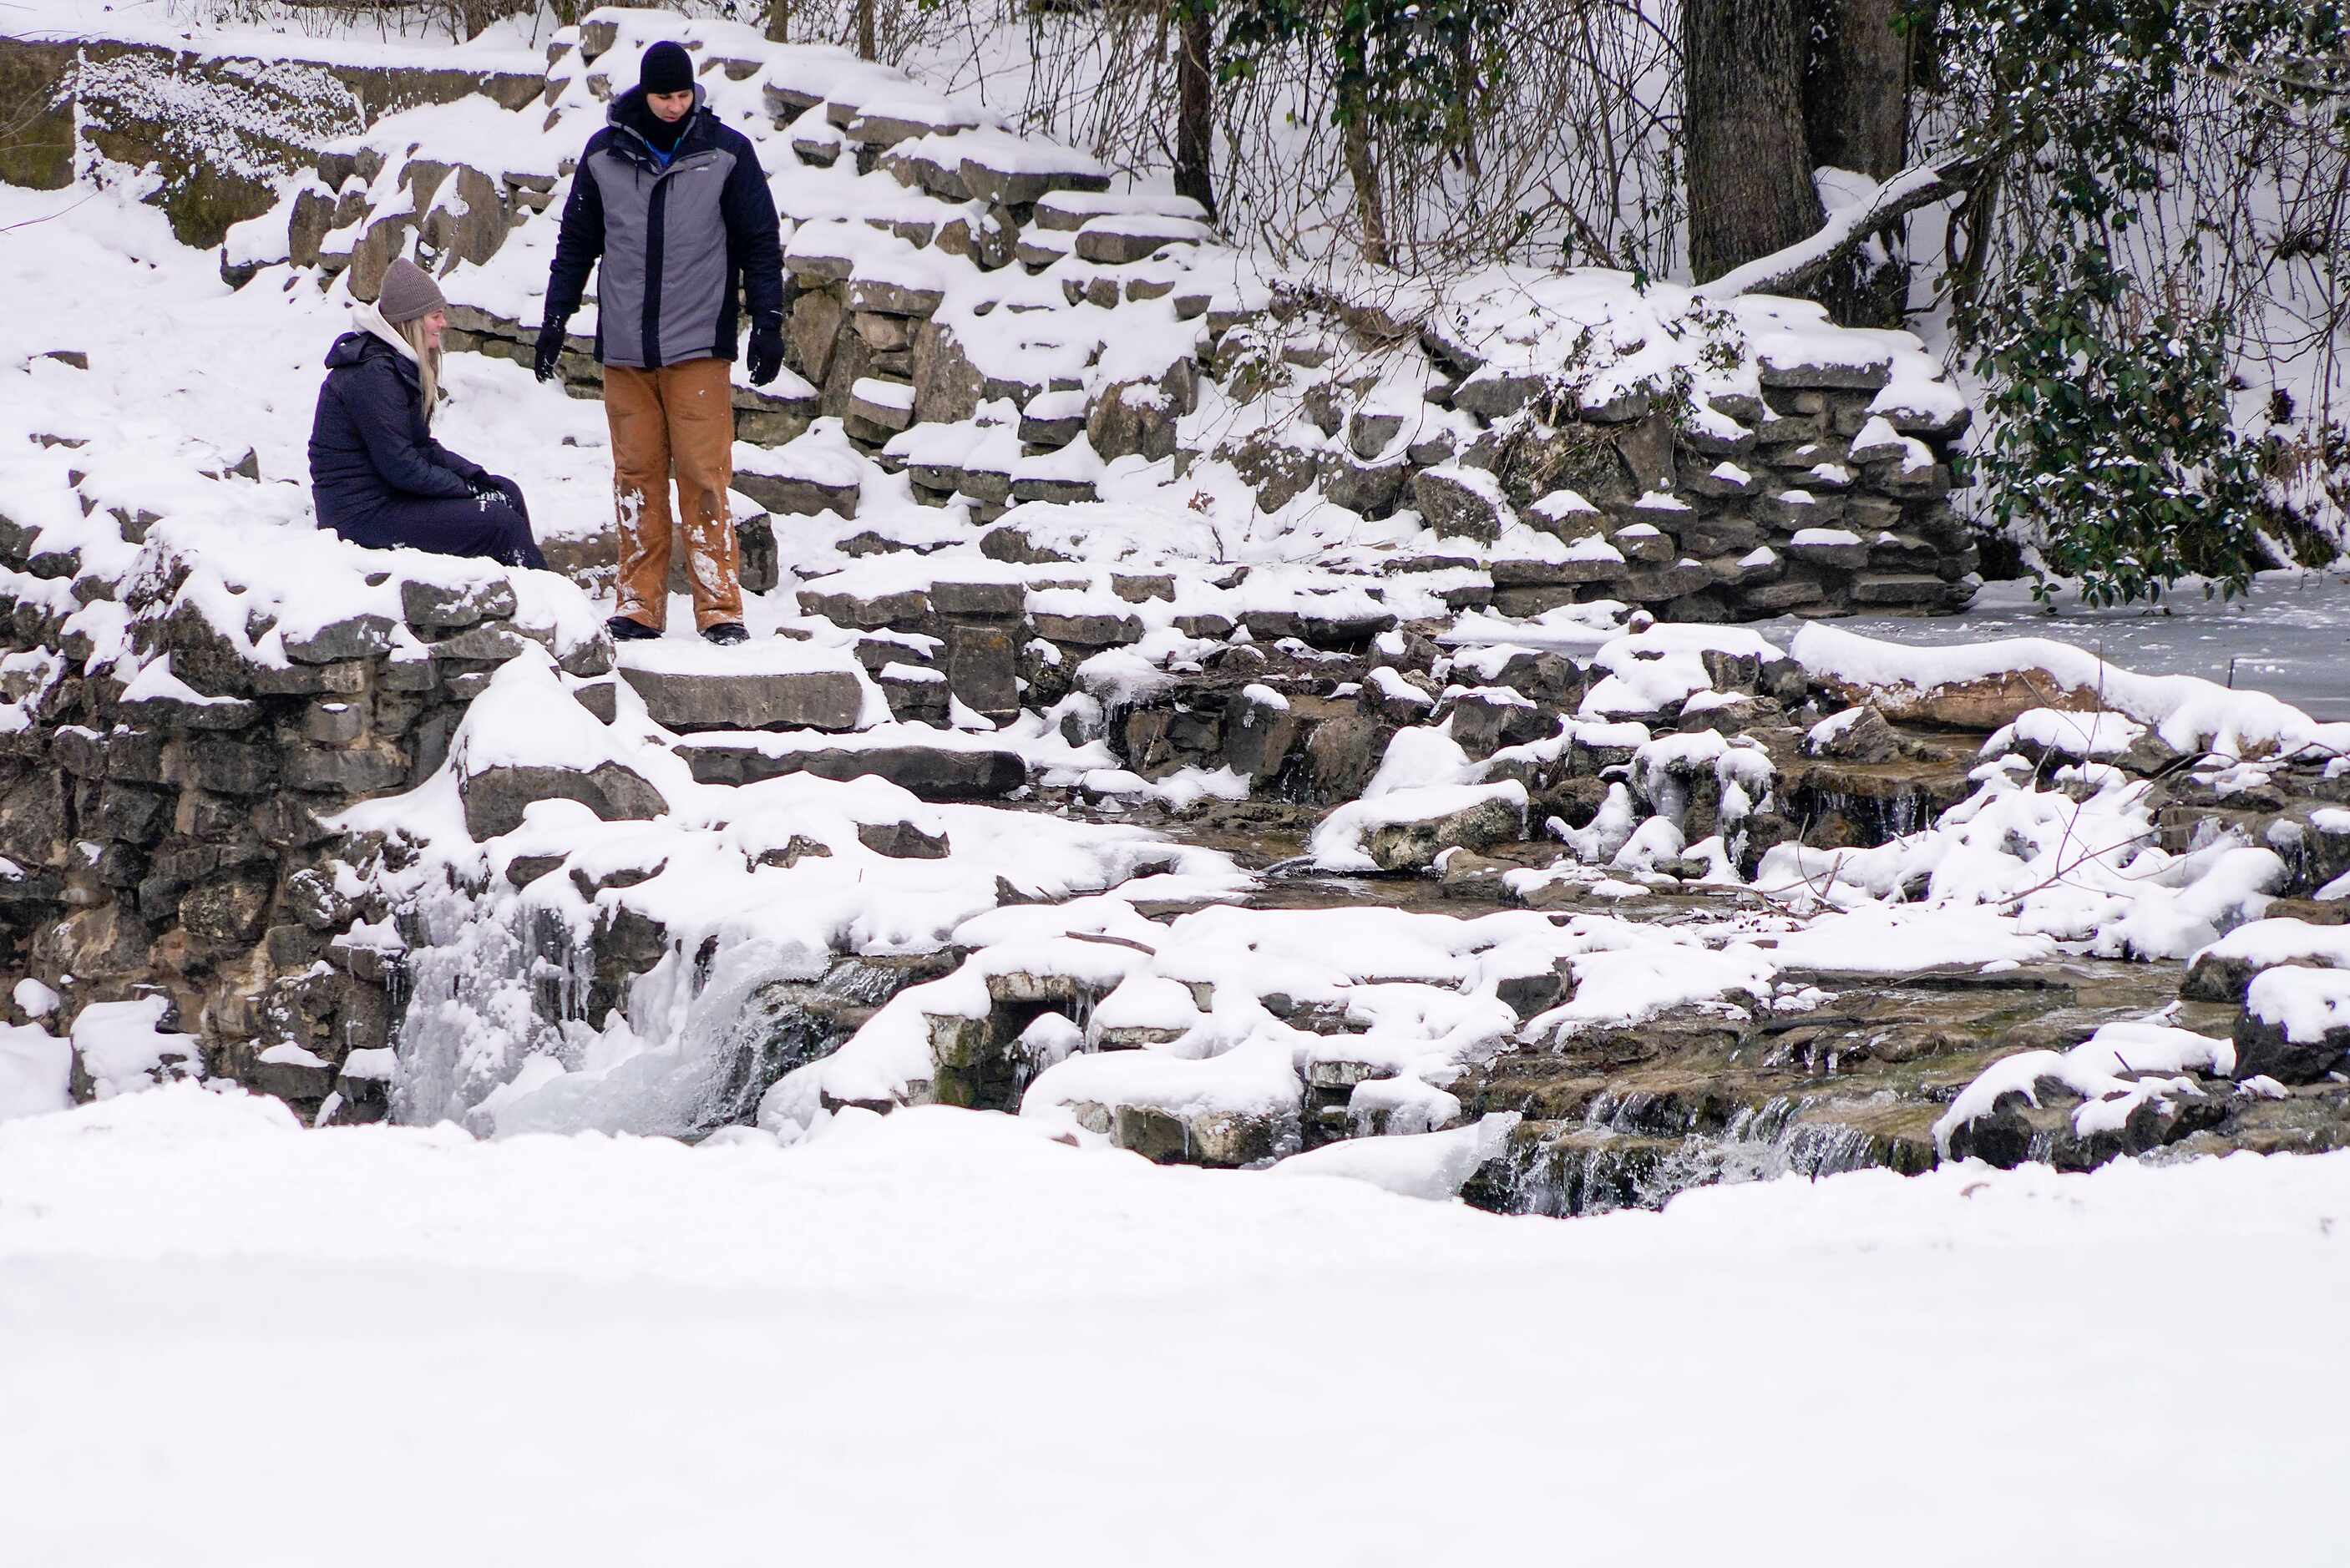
[(935, 764), (1016, 171), (1066, 211), (766, 684), (1116, 238), (908, 115), (800, 495)]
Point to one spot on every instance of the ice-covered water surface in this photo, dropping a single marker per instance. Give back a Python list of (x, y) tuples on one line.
[(2290, 637)]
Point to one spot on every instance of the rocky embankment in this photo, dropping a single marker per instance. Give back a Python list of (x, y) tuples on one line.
[(218, 130), (169, 834), (978, 319), (1820, 1041), (1201, 715), (1675, 903)]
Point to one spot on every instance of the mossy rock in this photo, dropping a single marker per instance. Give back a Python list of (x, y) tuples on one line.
[(38, 154)]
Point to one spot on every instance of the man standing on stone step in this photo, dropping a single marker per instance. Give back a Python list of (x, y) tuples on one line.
[(676, 206)]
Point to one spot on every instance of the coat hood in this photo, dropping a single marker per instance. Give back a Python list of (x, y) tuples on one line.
[(369, 319), (352, 348), (371, 340)]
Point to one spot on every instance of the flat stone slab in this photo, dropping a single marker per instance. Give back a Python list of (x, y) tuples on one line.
[(887, 405), (1793, 363), (885, 122), (1115, 239), (495, 797), (796, 496), (931, 764), (780, 687), (1068, 211), (1016, 170)]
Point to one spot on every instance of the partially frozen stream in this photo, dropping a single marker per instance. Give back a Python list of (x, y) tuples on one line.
[(2291, 638)]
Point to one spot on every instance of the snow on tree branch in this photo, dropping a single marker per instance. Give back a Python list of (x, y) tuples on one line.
[(1920, 185)]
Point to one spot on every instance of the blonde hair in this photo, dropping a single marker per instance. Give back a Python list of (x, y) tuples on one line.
[(427, 364)]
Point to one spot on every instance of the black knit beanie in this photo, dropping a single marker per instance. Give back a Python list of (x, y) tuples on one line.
[(667, 69)]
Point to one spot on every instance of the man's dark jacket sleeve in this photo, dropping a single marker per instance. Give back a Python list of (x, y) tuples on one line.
[(580, 241), (752, 234)]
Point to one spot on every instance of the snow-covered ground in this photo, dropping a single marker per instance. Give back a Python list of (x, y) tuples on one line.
[(942, 1336), (181, 366)]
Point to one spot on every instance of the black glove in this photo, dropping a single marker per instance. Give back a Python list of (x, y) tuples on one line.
[(766, 353), (491, 486), (549, 357)]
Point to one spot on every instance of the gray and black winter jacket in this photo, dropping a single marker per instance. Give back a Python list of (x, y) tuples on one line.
[(676, 239)]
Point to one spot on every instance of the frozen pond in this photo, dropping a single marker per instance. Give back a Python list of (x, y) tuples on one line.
[(2290, 637)]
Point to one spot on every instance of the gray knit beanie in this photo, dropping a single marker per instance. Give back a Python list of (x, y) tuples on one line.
[(409, 292)]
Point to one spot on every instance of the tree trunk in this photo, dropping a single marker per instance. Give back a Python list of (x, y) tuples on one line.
[(1856, 117), (1370, 206), (1750, 168), (779, 21), (1857, 90), (1195, 103), (864, 50)]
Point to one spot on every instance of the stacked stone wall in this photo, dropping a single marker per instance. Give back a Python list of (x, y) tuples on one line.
[(222, 129), (177, 838)]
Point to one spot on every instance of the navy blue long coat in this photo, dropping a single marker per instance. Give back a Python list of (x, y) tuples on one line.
[(379, 479)]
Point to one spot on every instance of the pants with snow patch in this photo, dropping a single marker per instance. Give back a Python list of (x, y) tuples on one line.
[(677, 420), (497, 530)]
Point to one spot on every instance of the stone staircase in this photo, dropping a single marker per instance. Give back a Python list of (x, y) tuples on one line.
[(910, 199), (981, 314), (775, 706)]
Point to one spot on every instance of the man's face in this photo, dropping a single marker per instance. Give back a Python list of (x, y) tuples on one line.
[(670, 108)]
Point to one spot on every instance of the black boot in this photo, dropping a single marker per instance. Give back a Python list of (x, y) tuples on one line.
[(626, 629), (725, 634)]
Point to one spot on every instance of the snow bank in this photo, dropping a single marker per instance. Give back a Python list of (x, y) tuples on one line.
[(2117, 1070), (160, 1247), (2189, 714), (35, 1066), (1433, 1166)]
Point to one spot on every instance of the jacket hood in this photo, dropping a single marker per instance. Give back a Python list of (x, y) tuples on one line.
[(353, 347), (370, 319), (366, 342), (629, 112)]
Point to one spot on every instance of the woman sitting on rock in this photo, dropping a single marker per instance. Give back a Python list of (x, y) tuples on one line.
[(377, 475)]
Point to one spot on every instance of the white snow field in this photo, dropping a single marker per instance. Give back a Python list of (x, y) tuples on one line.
[(942, 1336)]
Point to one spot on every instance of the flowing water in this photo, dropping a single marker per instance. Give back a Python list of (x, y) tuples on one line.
[(1625, 1157), (497, 1034)]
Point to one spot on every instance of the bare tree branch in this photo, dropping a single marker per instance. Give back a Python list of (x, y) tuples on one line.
[(1848, 227)]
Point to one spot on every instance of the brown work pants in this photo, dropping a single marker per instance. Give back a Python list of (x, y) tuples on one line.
[(679, 419)]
